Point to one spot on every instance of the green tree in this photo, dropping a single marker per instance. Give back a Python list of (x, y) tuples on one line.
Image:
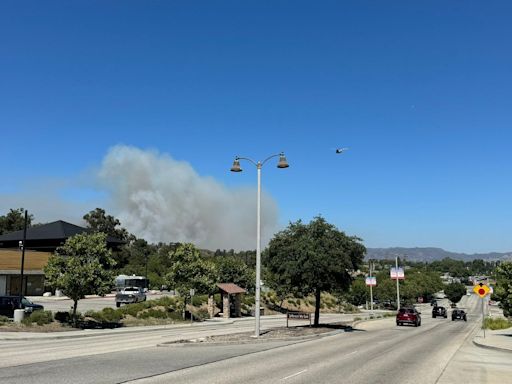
[(190, 271), (311, 258), (99, 221), (231, 269), (14, 220), (455, 291), (82, 266), (359, 293), (503, 291)]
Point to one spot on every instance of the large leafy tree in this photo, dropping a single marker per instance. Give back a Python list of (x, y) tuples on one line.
[(231, 269), (190, 271), (14, 220), (310, 258), (503, 291), (455, 291), (99, 221), (82, 266)]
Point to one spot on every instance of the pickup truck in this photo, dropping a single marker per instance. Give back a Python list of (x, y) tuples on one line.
[(128, 295)]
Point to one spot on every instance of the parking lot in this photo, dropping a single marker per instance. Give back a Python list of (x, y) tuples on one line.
[(95, 303)]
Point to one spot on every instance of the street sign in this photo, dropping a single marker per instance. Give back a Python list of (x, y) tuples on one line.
[(481, 290), (371, 281), (397, 273)]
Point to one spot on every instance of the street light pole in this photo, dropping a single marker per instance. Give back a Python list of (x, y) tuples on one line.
[(236, 168), (258, 257), (371, 289), (397, 285), (23, 257)]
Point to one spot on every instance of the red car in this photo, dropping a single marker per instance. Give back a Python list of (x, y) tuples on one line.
[(408, 316)]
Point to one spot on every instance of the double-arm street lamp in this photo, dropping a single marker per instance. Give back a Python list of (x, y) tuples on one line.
[(236, 168)]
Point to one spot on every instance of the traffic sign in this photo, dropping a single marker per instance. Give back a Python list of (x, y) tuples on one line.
[(481, 290)]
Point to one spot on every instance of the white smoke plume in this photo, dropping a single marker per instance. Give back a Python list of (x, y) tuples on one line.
[(160, 199)]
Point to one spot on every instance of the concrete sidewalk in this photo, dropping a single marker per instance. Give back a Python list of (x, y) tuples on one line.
[(500, 340)]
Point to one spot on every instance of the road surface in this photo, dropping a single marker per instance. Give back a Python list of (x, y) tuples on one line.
[(440, 351)]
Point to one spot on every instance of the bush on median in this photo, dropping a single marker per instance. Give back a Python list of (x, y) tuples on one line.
[(38, 317)]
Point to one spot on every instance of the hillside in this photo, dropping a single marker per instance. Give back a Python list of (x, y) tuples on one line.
[(431, 254)]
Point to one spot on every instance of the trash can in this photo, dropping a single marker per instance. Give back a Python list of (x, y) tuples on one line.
[(19, 315)]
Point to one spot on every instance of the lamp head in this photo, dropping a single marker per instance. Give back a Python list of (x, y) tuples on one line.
[(236, 166), (282, 161)]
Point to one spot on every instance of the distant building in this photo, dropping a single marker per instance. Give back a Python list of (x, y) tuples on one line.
[(41, 242)]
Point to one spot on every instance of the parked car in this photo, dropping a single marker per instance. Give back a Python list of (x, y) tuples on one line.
[(439, 312), (459, 314), (9, 303), (433, 303), (128, 295), (408, 316)]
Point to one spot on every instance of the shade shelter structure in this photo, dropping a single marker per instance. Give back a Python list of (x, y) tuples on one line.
[(231, 298)]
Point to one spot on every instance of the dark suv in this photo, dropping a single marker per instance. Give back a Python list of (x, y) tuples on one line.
[(439, 312), (9, 303), (459, 314), (408, 316)]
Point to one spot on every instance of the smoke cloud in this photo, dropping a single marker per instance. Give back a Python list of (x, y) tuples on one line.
[(160, 199)]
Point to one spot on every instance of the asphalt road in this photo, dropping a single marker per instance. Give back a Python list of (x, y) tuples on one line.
[(440, 351)]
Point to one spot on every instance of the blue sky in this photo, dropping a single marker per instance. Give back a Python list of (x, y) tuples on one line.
[(421, 93)]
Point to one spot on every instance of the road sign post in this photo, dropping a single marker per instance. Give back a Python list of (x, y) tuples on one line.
[(482, 290)]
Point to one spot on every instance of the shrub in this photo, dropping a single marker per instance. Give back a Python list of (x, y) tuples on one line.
[(63, 317), (201, 314), (199, 299), (3, 319), (497, 323), (248, 300), (112, 315), (39, 317), (154, 313)]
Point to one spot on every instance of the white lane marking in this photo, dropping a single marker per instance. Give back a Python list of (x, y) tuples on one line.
[(348, 354), (295, 374)]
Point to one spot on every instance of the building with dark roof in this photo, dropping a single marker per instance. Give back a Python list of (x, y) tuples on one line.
[(41, 242), (48, 237)]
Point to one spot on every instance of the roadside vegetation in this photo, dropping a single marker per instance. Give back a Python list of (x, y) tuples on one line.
[(503, 291), (307, 267), (497, 323)]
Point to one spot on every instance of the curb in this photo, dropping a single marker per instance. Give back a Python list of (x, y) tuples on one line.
[(87, 333), (492, 347)]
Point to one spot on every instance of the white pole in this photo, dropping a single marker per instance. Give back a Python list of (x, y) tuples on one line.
[(258, 255), (397, 285), (483, 316), (371, 290)]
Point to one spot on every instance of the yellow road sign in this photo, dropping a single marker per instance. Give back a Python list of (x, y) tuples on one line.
[(481, 290)]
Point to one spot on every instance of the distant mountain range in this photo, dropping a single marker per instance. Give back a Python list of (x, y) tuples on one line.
[(432, 254)]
